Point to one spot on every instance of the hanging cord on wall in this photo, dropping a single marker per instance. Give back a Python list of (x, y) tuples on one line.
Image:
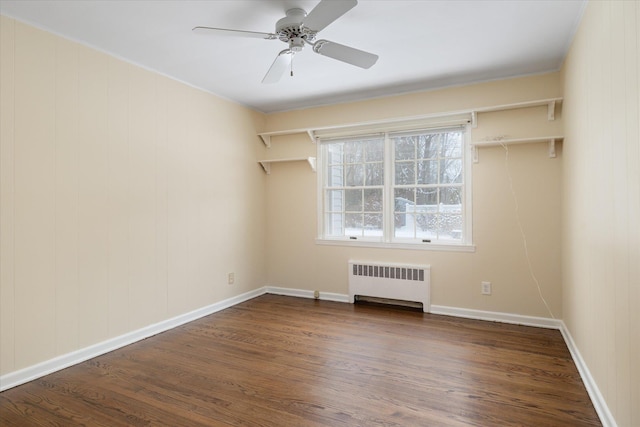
[(524, 237)]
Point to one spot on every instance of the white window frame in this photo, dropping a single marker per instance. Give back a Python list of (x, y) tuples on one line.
[(388, 240)]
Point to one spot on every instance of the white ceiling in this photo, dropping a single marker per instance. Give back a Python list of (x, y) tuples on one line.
[(422, 44)]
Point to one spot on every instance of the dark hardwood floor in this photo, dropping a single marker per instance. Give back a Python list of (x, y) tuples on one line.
[(282, 361)]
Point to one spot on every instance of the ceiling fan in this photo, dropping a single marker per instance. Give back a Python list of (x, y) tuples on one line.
[(297, 29)]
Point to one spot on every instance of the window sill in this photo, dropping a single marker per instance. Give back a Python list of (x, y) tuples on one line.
[(408, 246)]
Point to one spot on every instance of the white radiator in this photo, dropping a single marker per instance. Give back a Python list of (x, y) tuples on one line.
[(390, 281)]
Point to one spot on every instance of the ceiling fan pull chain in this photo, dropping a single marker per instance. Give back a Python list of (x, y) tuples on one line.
[(292, 64)]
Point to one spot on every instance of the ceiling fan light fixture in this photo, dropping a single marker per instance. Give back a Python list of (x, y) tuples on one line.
[(296, 44)]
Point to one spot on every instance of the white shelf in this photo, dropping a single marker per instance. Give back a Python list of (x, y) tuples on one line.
[(551, 104), (266, 136), (266, 164), (551, 140)]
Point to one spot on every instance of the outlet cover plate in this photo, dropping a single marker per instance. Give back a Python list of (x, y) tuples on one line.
[(485, 288)]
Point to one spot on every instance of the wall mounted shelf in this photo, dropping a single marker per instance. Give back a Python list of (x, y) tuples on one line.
[(472, 114), (551, 104), (266, 136), (509, 141), (314, 133), (266, 164)]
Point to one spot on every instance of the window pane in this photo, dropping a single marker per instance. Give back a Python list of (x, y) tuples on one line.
[(334, 154), (428, 146), (402, 197), (355, 175), (451, 171), (353, 152), (373, 224), (404, 205), (374, 150), (405, 148), (427, 199), (334, 225), (427, 172), (450, 226), (334, 200), (353, 224), (405, 173), (353, 200), (336, 176), (375, 174), (451, 199), (452, 144), (427, 226), (403, 225), (373, 200)]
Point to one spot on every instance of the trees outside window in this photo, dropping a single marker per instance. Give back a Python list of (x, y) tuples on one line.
[(396, 187)]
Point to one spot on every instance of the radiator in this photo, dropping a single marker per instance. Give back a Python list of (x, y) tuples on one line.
[(390, 281)]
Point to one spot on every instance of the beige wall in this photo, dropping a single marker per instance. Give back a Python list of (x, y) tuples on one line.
[(601, 214), (437, 101), (116, 209), (296, 261), (125, 197)]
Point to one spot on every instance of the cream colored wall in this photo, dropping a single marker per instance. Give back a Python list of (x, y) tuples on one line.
[(601, 215), (451, 99), (296, 261), (125, 197)]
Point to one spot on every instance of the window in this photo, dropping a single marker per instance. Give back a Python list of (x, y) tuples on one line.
[(396, 187), (354, 190)]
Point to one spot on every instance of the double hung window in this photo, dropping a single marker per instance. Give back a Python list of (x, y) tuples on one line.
[(396, 187)]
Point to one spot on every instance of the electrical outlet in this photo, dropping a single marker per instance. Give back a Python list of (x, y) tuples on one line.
[(231, 278), (485, 288)]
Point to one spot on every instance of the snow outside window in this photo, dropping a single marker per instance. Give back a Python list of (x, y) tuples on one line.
[(396, 187)]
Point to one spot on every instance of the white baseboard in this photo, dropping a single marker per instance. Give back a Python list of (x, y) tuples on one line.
[(303, 293), (496, 316), (492, 316), (589, 382), (31, 373)]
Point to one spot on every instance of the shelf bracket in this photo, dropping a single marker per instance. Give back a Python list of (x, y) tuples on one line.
[(552, 148), (474, 153), (266, 139), (266, 166), (312, 136), (312, 163), (474, 119), (551, 111)]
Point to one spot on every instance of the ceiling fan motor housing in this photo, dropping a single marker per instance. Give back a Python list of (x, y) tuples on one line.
[(290, 29)]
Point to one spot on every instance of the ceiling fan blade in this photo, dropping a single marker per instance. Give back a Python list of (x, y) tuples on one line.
[(326, 12), (234, 33), (343, 53), (279, 66)]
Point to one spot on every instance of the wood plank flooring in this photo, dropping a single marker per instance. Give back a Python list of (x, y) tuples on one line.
[(282, 361)]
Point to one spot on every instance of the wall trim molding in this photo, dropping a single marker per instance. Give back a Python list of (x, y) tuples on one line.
[(41, 369), (589, 382), (496, 316), (13, 379), (303, 293)]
